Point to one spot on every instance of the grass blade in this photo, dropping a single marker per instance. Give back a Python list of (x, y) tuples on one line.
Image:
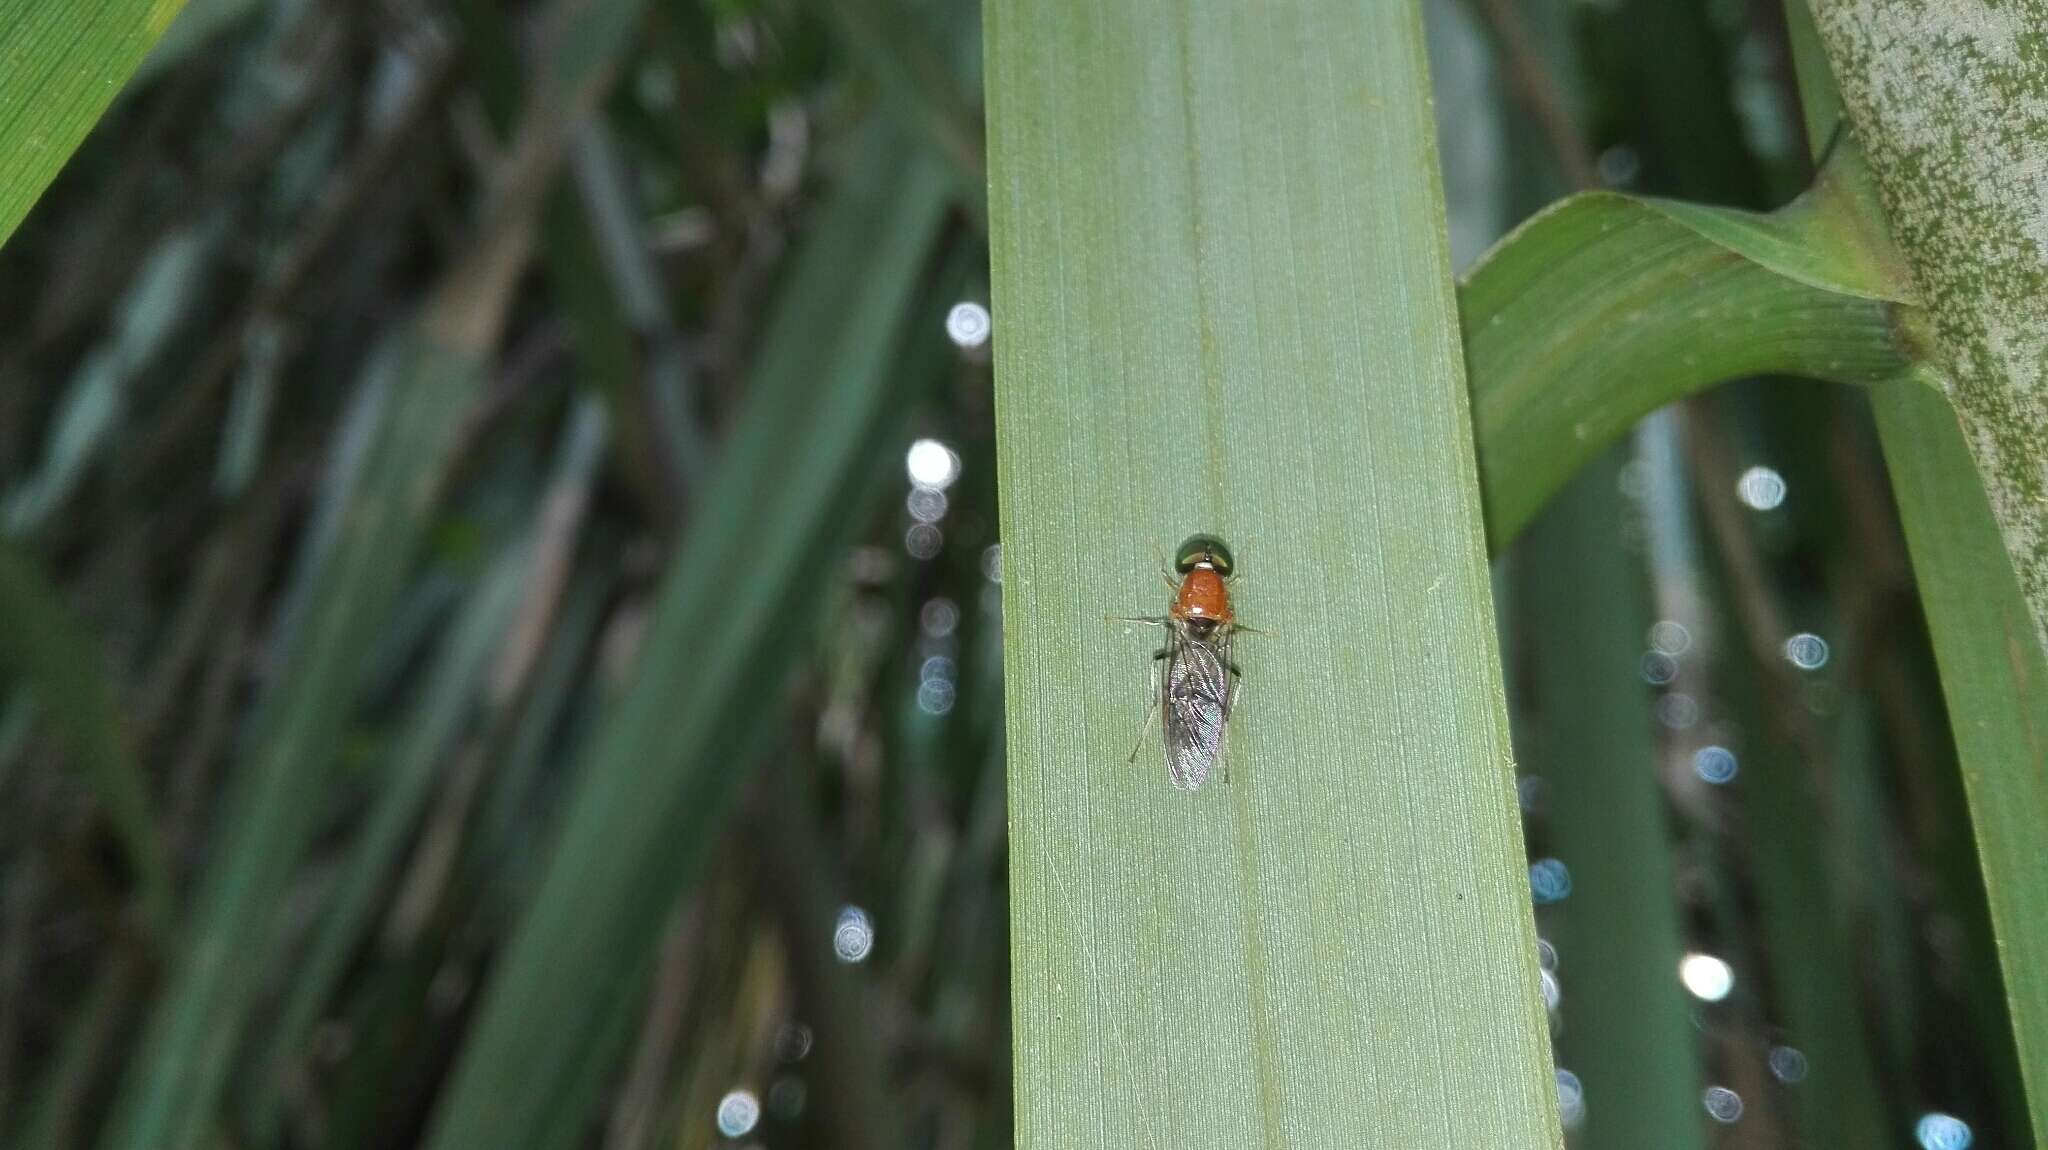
[(657, 775), (1628, 1036), (430, 368), (1795, 839), (65, 62), (1223, 285), (184, 1062), (444, 706), (919, 88), (1995, 679), (572, 235), (1994, 674), (148, 315), (504, 817), (618, 230)]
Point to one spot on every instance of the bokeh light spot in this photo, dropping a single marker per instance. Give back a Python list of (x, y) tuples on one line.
[(853, 936), (1706, 977), (1722, 1104), (1938, 1131), (1761, 488), (738, 1112)]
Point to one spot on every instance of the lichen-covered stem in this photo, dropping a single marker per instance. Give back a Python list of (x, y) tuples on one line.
[(1949, 99)]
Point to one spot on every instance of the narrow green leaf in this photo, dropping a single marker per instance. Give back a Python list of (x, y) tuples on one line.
[(617, 228), (495, 847), (249, 411), (895, 46), (1994, 673), (1603, 308), (428, 369), (85, 420), (44, 646), (443, 707), (145, 317), (574, 243), (1995, 679), (172, 1086), (61, 62), (1627, 1035), (1224, 294), (1792, 834), (355, 433), (656, 776)]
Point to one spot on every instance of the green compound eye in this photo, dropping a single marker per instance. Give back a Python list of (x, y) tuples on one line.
[(1203, 549)]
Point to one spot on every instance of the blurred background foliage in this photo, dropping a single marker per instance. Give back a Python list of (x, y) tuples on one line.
[(500, 579)]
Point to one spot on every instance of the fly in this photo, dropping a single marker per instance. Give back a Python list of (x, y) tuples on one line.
[(1194, 681)]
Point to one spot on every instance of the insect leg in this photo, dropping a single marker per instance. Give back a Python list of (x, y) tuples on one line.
[(1225, 652), (1223, 747), (1151, 708), (1165, 568)]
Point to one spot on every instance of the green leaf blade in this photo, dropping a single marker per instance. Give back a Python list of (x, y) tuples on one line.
[(61, 64), (1603, 308), (1628, 1030), (184, 1061), (657, 776), (1994, 677), (1994, 680), (1222, 290)]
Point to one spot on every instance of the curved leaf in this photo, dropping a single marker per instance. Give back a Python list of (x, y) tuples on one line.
[(1605, 307)]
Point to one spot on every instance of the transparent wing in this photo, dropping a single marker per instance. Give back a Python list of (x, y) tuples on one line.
[(1194, 705)]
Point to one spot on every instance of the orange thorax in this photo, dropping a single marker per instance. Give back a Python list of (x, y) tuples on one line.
[(1202, 596)]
